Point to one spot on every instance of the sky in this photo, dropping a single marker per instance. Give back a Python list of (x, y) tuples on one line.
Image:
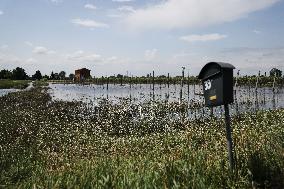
[(112, 37)]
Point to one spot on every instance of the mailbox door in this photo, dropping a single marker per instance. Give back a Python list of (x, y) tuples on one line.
[(213, 90)]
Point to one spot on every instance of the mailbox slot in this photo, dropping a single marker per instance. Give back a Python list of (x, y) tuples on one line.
[(212, 75)]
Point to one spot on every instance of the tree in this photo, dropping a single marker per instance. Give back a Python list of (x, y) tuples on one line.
[(119, 76), (19, 74), (62, 75), (45, 77), (71, 76), (5, 74), (56, 76), (52, 76), (37, 75), (275, 72)]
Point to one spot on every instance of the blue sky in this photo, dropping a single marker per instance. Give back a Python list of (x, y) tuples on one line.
[(138, 36)]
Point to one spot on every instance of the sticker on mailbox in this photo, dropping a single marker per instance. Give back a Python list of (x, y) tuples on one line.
[(213, 97), (207, 84)]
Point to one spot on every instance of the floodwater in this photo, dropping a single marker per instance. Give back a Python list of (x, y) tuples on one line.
[(247, 99), (137, 93), (7, 91)]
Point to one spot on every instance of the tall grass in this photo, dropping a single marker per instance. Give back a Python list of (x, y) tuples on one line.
[(55, 144), (16, 84)]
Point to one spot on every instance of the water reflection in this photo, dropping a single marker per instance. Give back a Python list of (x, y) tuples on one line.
[(247, 99)]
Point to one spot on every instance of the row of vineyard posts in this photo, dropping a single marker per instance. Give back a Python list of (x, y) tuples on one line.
[(261, 80)]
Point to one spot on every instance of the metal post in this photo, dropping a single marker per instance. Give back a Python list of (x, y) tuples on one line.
[(153, 85), (107, 82), (229, 137), (181, 84), (182, 76), (211, 112), (273, 90), (235, 93), (130, 82), (188, 87), (180, 93), (274, 80), (168, 80)]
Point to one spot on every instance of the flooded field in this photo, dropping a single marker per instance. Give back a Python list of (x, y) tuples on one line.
[(7, 91), (247, 99)]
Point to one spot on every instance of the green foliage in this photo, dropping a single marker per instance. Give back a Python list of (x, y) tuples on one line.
[(62, 75), (41, 83), (16, 84), (5, 74), (19, 74), (71, 77), (55, 144), (274, 72), (37, 75)]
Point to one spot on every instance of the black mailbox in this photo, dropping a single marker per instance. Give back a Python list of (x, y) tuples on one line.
[(217, 81)]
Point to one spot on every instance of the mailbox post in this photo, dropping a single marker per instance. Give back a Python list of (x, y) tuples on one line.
[(217, 82)]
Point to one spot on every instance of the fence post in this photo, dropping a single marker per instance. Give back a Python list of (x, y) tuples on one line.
[(153, 81)]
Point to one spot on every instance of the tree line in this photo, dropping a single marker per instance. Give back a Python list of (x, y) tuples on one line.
[(20, 74)]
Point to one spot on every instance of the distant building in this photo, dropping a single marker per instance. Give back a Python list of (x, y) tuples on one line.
[(82, 74)]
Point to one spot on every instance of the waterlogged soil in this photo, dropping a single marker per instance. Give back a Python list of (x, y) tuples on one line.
[(60, 144)]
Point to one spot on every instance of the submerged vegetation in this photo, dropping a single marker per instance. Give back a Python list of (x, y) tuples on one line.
[(56, 144)]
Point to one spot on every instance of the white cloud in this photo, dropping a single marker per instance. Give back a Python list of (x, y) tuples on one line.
[(115, 15), (126, 8), (250, 60), (1, 12), (122, 1), (42, 50), (182, 55), (8, 61), (151, 54), (4, 47), (89, 23), (56, 1), (30, 61), (203, 38), (90, 6), (81, 56), (112, 59), (256, 31), (28, 43), (170, 14)]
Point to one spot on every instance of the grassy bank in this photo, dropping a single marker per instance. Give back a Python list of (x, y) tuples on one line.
[(58, 144), (40, 83), (15, 84)]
